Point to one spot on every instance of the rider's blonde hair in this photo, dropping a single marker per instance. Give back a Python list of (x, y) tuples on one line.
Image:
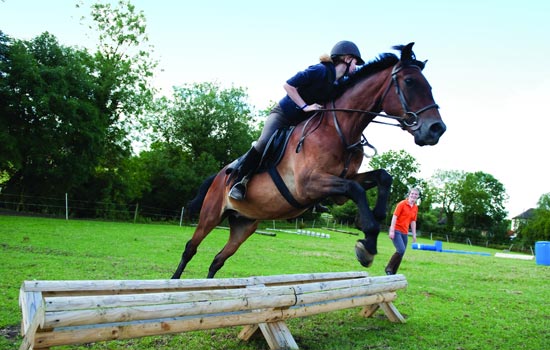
[(325, 58)]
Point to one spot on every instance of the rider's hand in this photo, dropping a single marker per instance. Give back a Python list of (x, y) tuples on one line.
[(312, 107)]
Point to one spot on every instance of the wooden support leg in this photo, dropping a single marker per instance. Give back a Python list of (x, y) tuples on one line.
[(248, 332), (33, 316), (392, 313), (278, 336), (369, 310)]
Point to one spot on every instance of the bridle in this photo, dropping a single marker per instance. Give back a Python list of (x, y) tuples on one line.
[(409, 119)]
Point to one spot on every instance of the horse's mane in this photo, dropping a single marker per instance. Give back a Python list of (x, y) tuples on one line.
[(383, 61)]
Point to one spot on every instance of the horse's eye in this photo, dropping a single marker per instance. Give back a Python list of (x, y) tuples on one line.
[(409, 81)]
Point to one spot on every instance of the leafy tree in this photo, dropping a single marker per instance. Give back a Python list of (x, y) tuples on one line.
[(403, 168), (173, 176), (447, 194), (346, 212), (124, 66), (482, 197), (8, 142), (544, 202), (204, 118), (197, 132), (68, 115), (538, 227), (51, 127)]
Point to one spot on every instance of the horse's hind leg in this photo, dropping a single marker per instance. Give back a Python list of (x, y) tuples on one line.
[(191, 248), (240, 229), (207, 222)]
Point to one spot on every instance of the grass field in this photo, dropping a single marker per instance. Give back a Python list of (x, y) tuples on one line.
[(454, 301)]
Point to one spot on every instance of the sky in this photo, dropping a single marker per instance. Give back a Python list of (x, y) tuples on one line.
[(486, 65)]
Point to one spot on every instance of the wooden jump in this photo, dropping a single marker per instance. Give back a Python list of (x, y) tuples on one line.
[(58, 313)]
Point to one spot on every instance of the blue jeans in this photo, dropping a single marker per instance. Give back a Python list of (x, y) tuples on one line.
[(400, 242)]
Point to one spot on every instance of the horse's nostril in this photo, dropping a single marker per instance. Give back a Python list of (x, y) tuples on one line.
[(438, 128)]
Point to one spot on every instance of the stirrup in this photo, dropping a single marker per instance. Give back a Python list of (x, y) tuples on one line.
[(238, 191)]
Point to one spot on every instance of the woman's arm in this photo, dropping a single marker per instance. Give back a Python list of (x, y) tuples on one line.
[(292, 92), (392, 227)]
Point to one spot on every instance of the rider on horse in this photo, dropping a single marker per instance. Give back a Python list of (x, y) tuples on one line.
[(306, 91)]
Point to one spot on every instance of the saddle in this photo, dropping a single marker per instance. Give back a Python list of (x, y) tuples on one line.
[(271, 157)]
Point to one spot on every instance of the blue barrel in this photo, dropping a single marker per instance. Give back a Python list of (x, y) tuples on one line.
[(542, 253)]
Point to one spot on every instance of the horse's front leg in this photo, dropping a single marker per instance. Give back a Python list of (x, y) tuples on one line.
[(365, 249), (334, 186)]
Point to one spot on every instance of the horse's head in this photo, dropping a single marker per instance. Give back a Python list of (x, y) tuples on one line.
[(411, 97)]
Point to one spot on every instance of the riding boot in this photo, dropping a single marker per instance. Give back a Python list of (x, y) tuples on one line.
[(248, 166), (393, 264), (397, 263)]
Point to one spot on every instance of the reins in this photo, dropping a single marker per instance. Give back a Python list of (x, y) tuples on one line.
[(408, 120)]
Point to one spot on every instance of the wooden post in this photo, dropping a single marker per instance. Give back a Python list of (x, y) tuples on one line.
[(136, 212)]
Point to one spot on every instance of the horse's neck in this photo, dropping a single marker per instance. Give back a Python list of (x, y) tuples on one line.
[(365, 96)]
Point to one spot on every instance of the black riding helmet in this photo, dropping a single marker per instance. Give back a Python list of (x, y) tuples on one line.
[(345, 47)]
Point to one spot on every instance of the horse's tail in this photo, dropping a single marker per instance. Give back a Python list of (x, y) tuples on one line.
[(194, 206)]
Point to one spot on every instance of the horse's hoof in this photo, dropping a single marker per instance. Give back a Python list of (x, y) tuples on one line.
[(363, 256)]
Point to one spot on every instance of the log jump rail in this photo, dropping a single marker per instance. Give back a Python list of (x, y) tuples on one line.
[(76, 312)]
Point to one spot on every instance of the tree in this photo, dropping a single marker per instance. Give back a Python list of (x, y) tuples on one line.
[(403, 168), (8, 142), (537, 228), (124, 66), (50, 118), (196, 133), (172, 176), (203, 119), (68, 115), (447, 194), (483, 199), (544, 202)]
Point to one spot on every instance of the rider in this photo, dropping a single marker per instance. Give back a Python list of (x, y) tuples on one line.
[(306, 91)]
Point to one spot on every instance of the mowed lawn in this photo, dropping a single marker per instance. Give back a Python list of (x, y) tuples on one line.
[(454, 301)]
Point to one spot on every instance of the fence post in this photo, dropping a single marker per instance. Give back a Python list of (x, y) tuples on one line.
[(66, 206), (136, 212), (181, 215)]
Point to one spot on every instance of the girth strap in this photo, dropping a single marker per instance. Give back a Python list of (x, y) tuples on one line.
[(281, 186)]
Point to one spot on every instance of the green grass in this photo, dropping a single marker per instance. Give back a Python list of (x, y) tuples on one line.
[(453, 301)]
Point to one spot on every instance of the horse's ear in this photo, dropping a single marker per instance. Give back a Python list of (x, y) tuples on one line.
[(407, 53), (424, 64)]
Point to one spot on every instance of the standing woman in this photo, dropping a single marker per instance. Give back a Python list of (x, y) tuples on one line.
[(306, 92), (404, 217)]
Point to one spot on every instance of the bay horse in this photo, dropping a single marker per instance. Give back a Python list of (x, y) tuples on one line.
[(322, 159)]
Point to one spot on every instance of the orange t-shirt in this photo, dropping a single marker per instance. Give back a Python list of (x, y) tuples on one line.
[(405, 214)]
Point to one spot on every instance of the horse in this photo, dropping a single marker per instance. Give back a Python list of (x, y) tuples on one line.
[(323, 157)]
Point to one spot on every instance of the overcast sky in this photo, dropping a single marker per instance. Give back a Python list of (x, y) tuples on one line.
[(487, 65)]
